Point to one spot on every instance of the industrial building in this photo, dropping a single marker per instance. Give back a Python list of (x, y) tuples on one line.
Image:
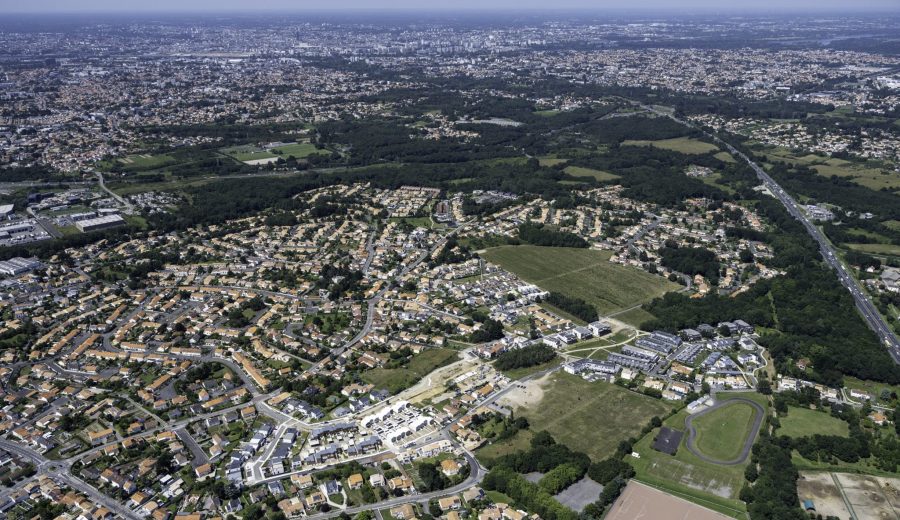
[(96, 224)]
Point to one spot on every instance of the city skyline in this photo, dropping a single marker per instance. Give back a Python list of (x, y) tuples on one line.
[(93, 6)]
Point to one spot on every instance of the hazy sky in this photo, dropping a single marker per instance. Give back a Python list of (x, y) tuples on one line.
[(811, 6)]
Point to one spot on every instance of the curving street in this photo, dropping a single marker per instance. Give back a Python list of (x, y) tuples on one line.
[(748, 443)]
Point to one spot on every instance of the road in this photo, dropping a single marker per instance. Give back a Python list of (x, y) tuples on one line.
[(748, 444), (871, 315), (111, 193)]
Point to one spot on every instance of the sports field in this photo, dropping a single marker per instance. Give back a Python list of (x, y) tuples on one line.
[(678, 144), (590, 417), (687, 475), (801, 422), (581, 273), (721, 433)]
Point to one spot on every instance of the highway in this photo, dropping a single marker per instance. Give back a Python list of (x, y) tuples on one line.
[(873, 319), (863, 303)]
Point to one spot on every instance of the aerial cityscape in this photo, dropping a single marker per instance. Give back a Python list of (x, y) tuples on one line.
[(482, 262)]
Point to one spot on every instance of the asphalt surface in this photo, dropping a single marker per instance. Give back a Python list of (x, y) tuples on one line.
[(748, 444)]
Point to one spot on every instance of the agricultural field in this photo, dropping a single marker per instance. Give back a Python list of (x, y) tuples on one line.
[(581, 273), (581, 171), (684, 145), (801, 422), (396, 379), (590, 417)]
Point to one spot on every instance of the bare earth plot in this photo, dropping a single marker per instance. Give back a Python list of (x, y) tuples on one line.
[(641, 502), (820, 488), (867, 496), (846, 495)]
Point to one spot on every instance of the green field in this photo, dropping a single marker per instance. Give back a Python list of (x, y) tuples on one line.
[(518, 442), (298, 150), (685, 145), (721, 433), (724, 156), (878, 249), (396, 379), (801, 422), (868, 174), (581, 273), (581, 171), (550, 160), (247, 153), (590, 417)]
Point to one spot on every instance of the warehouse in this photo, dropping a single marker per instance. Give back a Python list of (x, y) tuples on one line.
[(95, 224), (17, 265)]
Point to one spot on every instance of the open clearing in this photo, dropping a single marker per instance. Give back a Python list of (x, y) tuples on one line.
[(581, 171), (801, 422), (396, 379), (877, 249), (641, 502), (721, 433), (590, 417), (845, 494), (863, 174), (581, 273), (678, 144)]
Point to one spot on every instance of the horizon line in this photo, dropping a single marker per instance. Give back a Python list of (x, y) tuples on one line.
[(467, 9)]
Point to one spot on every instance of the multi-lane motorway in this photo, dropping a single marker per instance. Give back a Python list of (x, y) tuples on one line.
[(863, 303), (874, 320)]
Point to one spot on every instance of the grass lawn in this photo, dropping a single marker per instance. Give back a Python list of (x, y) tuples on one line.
[(724, 156), (298, 150), (721, 433), (635, 317), (878, 249), (581, 273), (519, 373), (550, 160), (590, 417), (499, 498), (581, 171), (521, 441), (801, 422), (247, 153), (678, 144), (396, 379)]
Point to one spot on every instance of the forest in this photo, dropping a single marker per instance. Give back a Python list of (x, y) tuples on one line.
[(524, 357)]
